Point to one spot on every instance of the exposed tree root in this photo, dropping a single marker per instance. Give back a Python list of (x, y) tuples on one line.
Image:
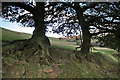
[(28, 48), (79, 56), (82, 56)]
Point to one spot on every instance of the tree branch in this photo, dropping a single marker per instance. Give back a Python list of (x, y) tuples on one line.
[(19, 4), (91, 5), (94, 34), (101, 28)]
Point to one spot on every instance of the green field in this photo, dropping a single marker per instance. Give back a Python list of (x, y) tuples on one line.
[(103, 65), (8, 35)]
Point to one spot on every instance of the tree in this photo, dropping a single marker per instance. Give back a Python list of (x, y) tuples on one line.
[(94, 19), (32, 15), (79, 19), (98, 17)]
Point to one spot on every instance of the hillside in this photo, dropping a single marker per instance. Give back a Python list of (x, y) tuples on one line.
[(8, 35), (102, 64)]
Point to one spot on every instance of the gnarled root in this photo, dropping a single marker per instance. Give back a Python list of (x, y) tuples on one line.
[(46, 56), (25, 49)]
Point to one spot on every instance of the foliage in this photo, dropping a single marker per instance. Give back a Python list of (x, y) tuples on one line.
[(18, 12), (63, 20), (62, 17), (111, 41), (100, 17)]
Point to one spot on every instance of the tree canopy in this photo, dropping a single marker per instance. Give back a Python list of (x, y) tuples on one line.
[(68, 18), (92, 18)]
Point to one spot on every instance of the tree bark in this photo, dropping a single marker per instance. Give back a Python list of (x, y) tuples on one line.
[(38, 36), (85, 48)]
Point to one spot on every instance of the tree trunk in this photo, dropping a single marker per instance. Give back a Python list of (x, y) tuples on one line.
[(85, 48), (38, 40), (38, 36)]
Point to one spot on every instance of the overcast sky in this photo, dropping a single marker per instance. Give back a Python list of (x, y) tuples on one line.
[(18, 28)]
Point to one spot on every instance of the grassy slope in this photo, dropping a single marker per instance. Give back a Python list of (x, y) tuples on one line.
[(55, 42), (99, 68), (8, 35)]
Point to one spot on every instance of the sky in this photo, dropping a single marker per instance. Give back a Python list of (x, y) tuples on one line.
[(16, 27)]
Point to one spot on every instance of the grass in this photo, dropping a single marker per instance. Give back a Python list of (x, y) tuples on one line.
[(108, 53), (80, 70), (62, 49), (74, 69), (63, 44), (8, 35)]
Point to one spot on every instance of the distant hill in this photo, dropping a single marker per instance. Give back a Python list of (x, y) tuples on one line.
[(9, 35)]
